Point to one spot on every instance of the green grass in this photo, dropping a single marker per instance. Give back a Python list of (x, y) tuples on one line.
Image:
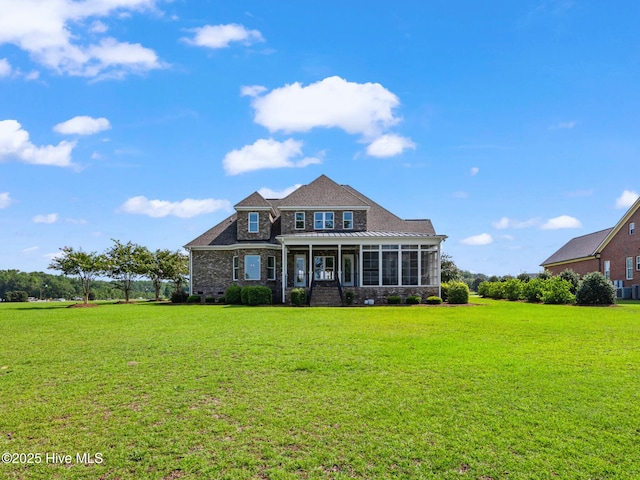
[(500, 390)]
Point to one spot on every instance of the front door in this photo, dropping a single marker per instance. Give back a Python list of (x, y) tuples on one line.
[(348, 270), (300, 271)]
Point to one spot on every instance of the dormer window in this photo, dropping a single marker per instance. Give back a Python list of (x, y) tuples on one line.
[(253, 222), (299, 221), (323, 220), (347, 220)]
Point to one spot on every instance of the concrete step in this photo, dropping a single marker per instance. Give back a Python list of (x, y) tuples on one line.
[(325, 296)]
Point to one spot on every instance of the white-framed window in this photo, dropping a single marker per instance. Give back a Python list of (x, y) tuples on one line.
[(632, 228), (236, 268), (629, 261), (253, 222), (399, 265), (299, 221), (324, 268), (252, 267), (638, 262), (271, 268), (347, 220), (323, 220), (607, 269)]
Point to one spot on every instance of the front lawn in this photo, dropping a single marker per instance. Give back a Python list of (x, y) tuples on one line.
[(499, 390)]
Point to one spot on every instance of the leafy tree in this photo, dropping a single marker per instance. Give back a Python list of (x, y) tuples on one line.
[(126, 262), (85, 266), (449, 272), (167, 265), (595, 289)]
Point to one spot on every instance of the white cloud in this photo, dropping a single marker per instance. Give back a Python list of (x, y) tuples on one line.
[(563, 126), (506, 222), (82, 125), (5, 67), (266, 153), (184, 209), (252, 90), (474, 171), (49, 218), (14, 142), (482, 239), (220, 36), (626, 199), (30, 249), (356, 108), (389, 145), (55, 35), (268, 193), (5, 200), (563, 221)]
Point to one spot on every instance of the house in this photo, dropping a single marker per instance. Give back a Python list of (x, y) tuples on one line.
[(324, 237), (614, 252)]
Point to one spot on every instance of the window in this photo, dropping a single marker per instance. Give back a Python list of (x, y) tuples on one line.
[(410, 267), (324, 268), (607, 269), (271, 268), (299, 221), (347, 220), (252, 267), (253, 222), (323, 220), (236, 268), (629, 268), (638, 262), (632, 228), (390, 264), (370, 267)]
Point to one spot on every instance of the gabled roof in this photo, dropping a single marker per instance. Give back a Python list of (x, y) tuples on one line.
[(224, 233), (255, 201), (322, 192), (578, 248)]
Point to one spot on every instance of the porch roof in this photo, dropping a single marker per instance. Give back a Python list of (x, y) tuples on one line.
[(354, 238)]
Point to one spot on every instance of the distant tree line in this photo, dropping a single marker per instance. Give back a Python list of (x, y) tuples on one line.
[(134, 270)]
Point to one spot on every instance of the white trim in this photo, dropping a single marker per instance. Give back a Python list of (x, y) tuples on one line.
[(257, 222), (343, 214), (324, 220), (259, 268), (190, 273), (295, 221), (236, 246), (324, 207)]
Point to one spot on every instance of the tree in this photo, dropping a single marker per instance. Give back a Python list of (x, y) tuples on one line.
[(449, 272), (167, 265), (125, 263), (85, 266)]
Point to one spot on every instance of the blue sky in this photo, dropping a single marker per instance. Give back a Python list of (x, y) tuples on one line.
[(513, 126)]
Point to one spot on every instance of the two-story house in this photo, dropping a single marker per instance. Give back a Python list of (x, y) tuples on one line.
[(324, 237)]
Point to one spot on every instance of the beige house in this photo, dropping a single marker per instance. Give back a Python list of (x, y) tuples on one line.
[(324, 237)]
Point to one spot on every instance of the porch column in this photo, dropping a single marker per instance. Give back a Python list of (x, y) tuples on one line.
[(340, 263), (310, 273), (190, 272), (439, 271), (284, 271)]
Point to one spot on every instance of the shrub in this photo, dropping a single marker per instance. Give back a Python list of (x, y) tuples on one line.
[(484, 288), (545, 275), (433, 300), (444, 290), (394, 300), (512, 289), (16, 296), (179, 297), (595, 289), (232, 295), (524, 277), (572, 277), (256, 295), (557, 291), (194, 299), (348, 297), (413, 300), (496, 290), (532, 291), (458, 293), (210, 300), (298, 296)]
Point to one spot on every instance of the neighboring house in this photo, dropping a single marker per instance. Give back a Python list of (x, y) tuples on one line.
[(325, 237), (614, 252)]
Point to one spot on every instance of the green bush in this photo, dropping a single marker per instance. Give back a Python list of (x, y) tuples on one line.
[(210, 300), (458, 293), (298, 297), (179, 297), (256, 295), (496, 290), (484, 288), (413, 300), (394, 300), (16, 296), (194, 299), (348, 297), (512, 289), (545, 275), (557, 291), (232, 295), (433, 300), (444, 290), (595, 289), (524, 277), (572, 277), (532, 290)]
